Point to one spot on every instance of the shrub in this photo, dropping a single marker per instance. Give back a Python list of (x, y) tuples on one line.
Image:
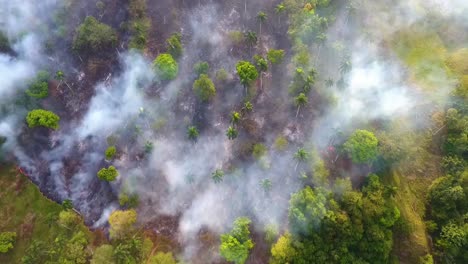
[(109, 174), (94, 36), (204, 88), (201, 67), (6, 241), (40, 117), (174, 45), (39, 87), (110, 152), (166, 67)]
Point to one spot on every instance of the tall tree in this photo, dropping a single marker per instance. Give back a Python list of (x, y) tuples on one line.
[(279, 9), (361, 146), (261, 17), (300, 101), (301, 155), (235, 245), (231, 133), (247, 73), (251, 39)]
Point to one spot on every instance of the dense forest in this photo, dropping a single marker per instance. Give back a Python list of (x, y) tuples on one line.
[(235, 131)]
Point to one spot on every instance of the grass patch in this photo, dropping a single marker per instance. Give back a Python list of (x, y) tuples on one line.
[(27, 212), (424, 53), (410, 242)]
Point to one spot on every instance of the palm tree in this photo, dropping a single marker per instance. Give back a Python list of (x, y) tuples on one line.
[(299, 101), (251, 38), (345, 65), (280, 8), (248, 106), (231, 133), (329, 83), (235, 117), (262, 17), (217, 176), (192, 133), (301, 155), (266, 185)]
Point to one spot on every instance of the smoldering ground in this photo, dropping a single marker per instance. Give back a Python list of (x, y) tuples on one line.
[(147, 119)]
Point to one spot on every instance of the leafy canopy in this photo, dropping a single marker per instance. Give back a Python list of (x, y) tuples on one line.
[(247, 72), (109, 174), (94, 36), (166, 67), (362, 146), (235, 245), (41, 117), (204, 88)]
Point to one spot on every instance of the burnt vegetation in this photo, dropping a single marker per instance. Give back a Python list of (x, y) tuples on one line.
[(295, 131)]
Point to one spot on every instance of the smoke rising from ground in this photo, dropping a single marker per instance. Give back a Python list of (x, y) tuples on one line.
[(174, 176)]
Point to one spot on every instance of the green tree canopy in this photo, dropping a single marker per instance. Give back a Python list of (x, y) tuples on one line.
[(174, 45), (94, 36), (247, 72), (201, 67), (41, 117), (7, 239), (109, 174), (275, 56), (235, 245), (162, 258), (103, 255), (166, 67), (362, 146), (121, 223), (39, 87), (110, 152), (204, 88)]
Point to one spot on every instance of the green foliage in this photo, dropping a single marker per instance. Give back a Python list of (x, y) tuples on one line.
[(281, 143), (139, 24), (39, 87), (103, 255), (301, 155), (162, 258), (261, 63), (231, 133), (130, 201), (235, 245), (174, 45), (301, 100), (453, 165), (41, 117), (201, 67), (248, 106), (7, 239), (303, 81), (307, 209), (266, 185), (222, 75), (283, 251), (121, 223), (247, 72), (235, 117), (271, 233), (69, 219), (109, 174), (259, 150), (192, 132), (204, 88), (110, 152), (275, 56), (166, 67), (217, 176), (362, 146), (94, 36), (67, 204)]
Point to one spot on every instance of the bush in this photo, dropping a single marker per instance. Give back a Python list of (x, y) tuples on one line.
[(204, 88), (201, 67), (6, 241), (174, 45), (222, 75), (166, 67), (94, 36), (110, 152), (275, 56), (362, 146), (109, 174), (39, 88), (40, 117)]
